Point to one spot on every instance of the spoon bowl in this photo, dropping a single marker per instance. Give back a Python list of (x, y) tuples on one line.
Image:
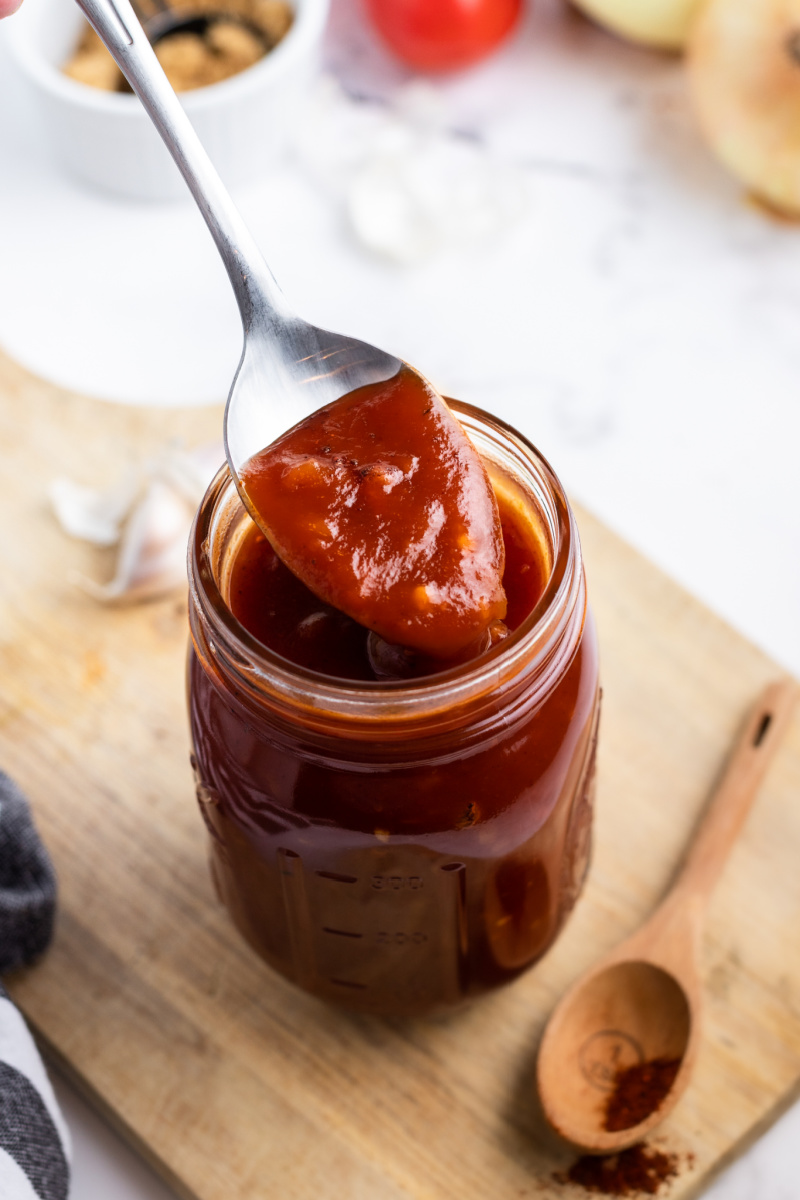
[(287, 373), (641, 1004), (622, 1015)]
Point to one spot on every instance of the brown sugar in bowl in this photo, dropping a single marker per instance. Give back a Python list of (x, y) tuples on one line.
[(239, 34), (106, 138)]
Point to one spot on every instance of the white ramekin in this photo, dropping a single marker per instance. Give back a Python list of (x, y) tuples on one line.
[(107, 139)]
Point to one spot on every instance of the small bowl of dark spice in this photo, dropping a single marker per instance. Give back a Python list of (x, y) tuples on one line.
[(241, 68)]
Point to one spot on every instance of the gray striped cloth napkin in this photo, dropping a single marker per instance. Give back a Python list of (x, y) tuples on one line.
[(34, 1142)]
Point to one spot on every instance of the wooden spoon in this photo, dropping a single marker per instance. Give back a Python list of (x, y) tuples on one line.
[(642, 1002)]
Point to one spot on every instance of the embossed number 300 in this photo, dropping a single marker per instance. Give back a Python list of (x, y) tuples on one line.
[(395, 883)]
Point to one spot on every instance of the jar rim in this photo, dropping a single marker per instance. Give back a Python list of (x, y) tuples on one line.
[(267, 675)]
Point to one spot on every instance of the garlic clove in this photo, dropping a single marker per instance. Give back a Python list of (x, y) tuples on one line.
[(156, 505), (152, 554), (744, 71), (93, 515)]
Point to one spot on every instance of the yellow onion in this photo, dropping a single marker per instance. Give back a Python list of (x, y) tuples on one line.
[(744, 63), (664, 24)]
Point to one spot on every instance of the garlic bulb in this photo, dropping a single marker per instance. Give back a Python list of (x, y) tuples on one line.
[(409, 186), (408, 203)]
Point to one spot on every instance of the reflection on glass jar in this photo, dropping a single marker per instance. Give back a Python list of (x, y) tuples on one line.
[(400, 846)]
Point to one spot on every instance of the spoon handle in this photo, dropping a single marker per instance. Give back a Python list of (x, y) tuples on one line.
[(747, 765), (257, 293)]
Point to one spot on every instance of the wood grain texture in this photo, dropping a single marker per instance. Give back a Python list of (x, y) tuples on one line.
[(236, 1085)]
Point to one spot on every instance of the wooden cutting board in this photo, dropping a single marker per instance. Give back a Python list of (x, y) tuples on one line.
[(234, 1084)]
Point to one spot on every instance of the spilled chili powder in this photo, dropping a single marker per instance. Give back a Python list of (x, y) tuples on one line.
[(640, 1170), (638, 1091)]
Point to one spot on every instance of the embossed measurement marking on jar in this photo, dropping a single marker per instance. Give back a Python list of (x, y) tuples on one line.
[(396, 883), (402, 939), (373, 930)]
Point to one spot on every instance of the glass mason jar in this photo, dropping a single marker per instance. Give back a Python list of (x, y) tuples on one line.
[(401, 846)]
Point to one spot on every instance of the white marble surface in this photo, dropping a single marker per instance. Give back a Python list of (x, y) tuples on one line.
[(628, 309)]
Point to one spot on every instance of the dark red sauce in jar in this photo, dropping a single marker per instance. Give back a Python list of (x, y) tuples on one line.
[(401, 844), (278, 609)]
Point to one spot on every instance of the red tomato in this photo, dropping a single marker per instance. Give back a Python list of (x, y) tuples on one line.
[(437, 35)]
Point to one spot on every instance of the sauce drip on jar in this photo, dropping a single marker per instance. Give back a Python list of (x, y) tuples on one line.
[(382, 507)]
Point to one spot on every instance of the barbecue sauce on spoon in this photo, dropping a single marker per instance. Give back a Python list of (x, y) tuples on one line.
[(380, 505)]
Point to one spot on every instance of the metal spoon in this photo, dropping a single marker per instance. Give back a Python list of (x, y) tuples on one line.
[(642, 1001), (288, 367)]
